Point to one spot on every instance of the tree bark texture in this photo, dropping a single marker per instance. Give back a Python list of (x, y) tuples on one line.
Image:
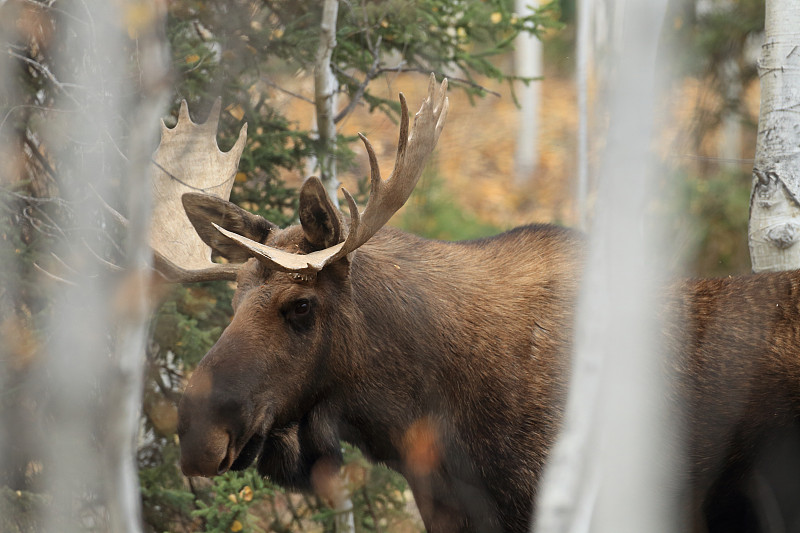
[(774, 209), (583, 56), (325, 92), (325, 99)]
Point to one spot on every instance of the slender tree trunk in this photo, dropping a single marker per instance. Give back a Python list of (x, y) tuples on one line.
[(774, 208), (325, 92), (528, 63), (609, 467)]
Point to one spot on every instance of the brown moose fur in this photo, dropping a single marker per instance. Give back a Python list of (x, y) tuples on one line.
[(448, 362)]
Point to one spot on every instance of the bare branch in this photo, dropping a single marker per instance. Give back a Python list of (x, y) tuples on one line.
[(114, 213), (461, 81), (53, 276), (109, 265), (286, 91), (372, 73), (47, 74)]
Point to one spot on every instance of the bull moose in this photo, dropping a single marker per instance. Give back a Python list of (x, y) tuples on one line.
[(448, 362)]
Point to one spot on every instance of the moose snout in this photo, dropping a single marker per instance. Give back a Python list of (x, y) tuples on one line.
[(207, 454), (205, 444)]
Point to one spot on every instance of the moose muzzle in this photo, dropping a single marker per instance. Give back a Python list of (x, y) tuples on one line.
[(205, 440)]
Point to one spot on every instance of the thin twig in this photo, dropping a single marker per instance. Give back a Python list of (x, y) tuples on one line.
[(37, 154), (290, 93), (61, 12), (40, 225), (370, 75), (63, 264), (53, 276), (114, 213), (109, 265), (36, 199), (46, 71), (462, 81)]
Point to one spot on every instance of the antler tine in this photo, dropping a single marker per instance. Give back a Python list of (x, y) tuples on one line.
[(386, 197), (172, 272), (413, 149)]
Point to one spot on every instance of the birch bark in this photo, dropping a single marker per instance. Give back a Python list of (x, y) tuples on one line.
[(774, 209), (90, 371), (325, 92), (325, 99)]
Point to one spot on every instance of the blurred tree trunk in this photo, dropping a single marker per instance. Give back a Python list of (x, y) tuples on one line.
[(615, 454), (730, 140), (85, 360), (774, 209), (582, 70)]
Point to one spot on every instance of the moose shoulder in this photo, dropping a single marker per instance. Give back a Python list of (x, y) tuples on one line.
[(449, 361)]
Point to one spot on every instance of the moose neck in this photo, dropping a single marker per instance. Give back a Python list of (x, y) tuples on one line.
[(427, 338)]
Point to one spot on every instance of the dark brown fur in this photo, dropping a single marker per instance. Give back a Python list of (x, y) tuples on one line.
[(448, 362)]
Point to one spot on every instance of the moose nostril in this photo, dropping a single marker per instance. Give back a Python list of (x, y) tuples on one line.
[(227, 459), (223, 466)]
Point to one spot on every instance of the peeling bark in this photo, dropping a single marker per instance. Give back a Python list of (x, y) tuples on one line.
[(774, 209)]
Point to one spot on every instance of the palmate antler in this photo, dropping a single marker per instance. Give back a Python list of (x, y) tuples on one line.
[(385, 198), (189, 160)]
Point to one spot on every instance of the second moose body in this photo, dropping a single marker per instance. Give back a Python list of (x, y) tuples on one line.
[(449, 361)]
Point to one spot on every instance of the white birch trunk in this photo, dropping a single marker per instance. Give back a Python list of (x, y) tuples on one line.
[(325, 92), (774, 209), (609, 468), (528, 64), (88, 376)]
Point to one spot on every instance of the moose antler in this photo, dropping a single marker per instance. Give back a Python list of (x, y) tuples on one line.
[(188, 159), (385, 198)]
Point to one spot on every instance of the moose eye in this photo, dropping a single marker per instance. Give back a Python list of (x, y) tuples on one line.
[(302, 307), (299, 313)]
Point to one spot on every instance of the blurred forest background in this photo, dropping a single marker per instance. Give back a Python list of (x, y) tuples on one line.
[(257, 55)]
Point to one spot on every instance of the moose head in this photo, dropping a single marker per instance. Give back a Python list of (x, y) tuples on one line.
[(293, 308)]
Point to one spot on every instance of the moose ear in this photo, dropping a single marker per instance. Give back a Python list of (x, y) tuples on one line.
[(205, 210), (319, 218)]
